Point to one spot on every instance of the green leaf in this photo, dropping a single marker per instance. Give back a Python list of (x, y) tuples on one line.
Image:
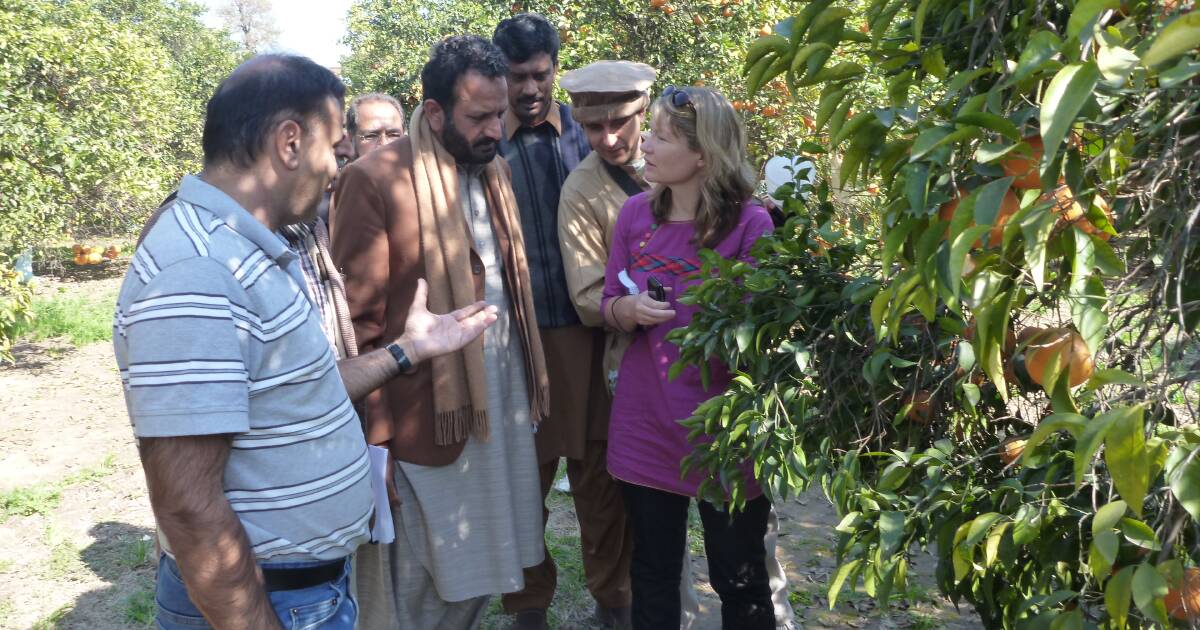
[(1070, 620), (839, 578), (1185, 484), (1066, 95), (1149, 588), (1089, 442), (996, 123), (1036, 227), (1116, 596), (980, 527), (744, 334), (1125, 454), (1113, 376), (1139, 534), (1085, 13), (1027, 524), (1116, 63), (1041, 48), (927, 141), (891, 531), (1107, 517), (1175, 40)]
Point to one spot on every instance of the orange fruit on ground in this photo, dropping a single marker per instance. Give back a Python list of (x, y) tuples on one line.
[(697, 20), (1011, 451), (658, 4), (77, 249), (95, 258), (1066, 348), (921, 411), (668, 9), (1025, 167), (765, 30), (80, 259), (1183, 603), (770, 111), (111, 252), (727, 12)]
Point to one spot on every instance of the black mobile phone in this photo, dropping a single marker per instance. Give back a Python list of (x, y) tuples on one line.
[(655, 288)]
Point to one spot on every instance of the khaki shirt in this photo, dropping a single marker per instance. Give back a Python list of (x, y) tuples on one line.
[(587, 213)]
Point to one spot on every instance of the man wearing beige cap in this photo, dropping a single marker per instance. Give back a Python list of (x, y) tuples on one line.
[(610, 100)]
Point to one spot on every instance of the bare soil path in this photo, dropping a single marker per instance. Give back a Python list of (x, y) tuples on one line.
[(76, 527)]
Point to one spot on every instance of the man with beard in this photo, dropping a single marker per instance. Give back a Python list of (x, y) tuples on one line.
[(609, 100), (542, 144), (438, 205)]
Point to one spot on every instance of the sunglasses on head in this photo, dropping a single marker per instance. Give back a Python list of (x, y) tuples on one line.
[(678, 97)]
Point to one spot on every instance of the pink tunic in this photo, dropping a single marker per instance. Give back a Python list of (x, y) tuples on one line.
[(646, 443)]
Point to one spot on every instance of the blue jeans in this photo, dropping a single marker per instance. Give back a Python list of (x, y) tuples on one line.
[(327, 606)]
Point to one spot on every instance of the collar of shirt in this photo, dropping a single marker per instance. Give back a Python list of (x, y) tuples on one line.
[(201, 193), (512, 124)]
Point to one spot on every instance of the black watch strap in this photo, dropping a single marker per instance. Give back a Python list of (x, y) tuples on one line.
[(399, 356)]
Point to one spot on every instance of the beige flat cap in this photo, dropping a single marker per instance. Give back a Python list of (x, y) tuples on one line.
[(604, 90)]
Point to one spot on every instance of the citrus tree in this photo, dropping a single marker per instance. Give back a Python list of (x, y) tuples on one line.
[(101, 106), (690, 42), (1001, 366)]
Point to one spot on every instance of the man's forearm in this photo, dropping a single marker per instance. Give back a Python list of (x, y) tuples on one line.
[(366, 373), (208, 541)]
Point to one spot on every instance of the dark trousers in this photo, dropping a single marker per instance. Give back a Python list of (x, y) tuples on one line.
[(604, 537), (737, 559)]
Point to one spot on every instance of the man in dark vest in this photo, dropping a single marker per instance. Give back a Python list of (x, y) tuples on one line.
[(543, 144)]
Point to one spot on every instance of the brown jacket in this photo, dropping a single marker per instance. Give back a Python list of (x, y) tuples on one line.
[(377, 247)]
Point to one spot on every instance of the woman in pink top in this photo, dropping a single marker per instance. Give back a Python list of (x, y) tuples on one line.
[(696, 156)]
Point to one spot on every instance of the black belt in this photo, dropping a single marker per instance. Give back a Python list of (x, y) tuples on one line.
[(293, 579)]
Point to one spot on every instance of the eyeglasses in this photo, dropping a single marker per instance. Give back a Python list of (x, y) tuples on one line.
[(375, 136), (678, 97)]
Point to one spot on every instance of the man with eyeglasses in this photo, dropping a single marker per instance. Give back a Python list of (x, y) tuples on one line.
[(374, 120)]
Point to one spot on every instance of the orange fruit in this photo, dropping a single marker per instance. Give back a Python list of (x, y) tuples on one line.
[(765, 30), (1011, 451), (658, 4), (810, 124), (668, 9), (873, 189), (727, 12), (921, 411), (697, 20), (1072, 212), (80, 259), (1183, 603), (1066, 348), (111, 252), (1008, 207), (864, 28), (77, 249), (1025, 167), (770, 111)]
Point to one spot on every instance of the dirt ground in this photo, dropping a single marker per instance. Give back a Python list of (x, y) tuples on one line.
[(85, 559)]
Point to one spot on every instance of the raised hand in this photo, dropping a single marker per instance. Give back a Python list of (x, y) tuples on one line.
[(431, 335)]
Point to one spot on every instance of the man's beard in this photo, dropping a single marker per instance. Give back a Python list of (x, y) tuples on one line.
[(481, 152)]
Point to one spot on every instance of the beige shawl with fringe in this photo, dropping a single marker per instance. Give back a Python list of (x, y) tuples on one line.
[(459, 378)]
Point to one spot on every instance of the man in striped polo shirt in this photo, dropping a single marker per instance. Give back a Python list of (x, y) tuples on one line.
[(255, 460)]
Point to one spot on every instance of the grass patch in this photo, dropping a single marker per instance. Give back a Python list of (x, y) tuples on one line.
[(45, 497), (39, 499), (51, 621), (64, 561), (80, 319), (7, 608), (139, 608), (800, 599), (137, 553), (919, 621)]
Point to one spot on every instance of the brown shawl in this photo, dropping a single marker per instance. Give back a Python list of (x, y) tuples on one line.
[(459, 378)]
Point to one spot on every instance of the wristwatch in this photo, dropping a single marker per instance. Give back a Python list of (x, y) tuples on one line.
[(399, 356)]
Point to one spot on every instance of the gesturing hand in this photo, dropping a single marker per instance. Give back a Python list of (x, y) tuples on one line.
[(431, 335)]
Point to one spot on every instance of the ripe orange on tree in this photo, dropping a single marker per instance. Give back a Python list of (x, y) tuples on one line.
[(1025, 167), (658, 4), (1011, 451), (1072, 212), (1065, 348), (921, 411), (1183, 603), (1008, 207)]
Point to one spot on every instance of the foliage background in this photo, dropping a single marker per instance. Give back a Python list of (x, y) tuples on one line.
[(101, 109)]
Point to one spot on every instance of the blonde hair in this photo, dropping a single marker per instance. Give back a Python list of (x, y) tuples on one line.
[(712, 128)]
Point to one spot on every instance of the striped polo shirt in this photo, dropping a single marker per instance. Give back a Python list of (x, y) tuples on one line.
[(215, 334)]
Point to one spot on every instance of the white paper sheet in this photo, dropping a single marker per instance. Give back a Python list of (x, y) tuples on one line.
[(383, 531)]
